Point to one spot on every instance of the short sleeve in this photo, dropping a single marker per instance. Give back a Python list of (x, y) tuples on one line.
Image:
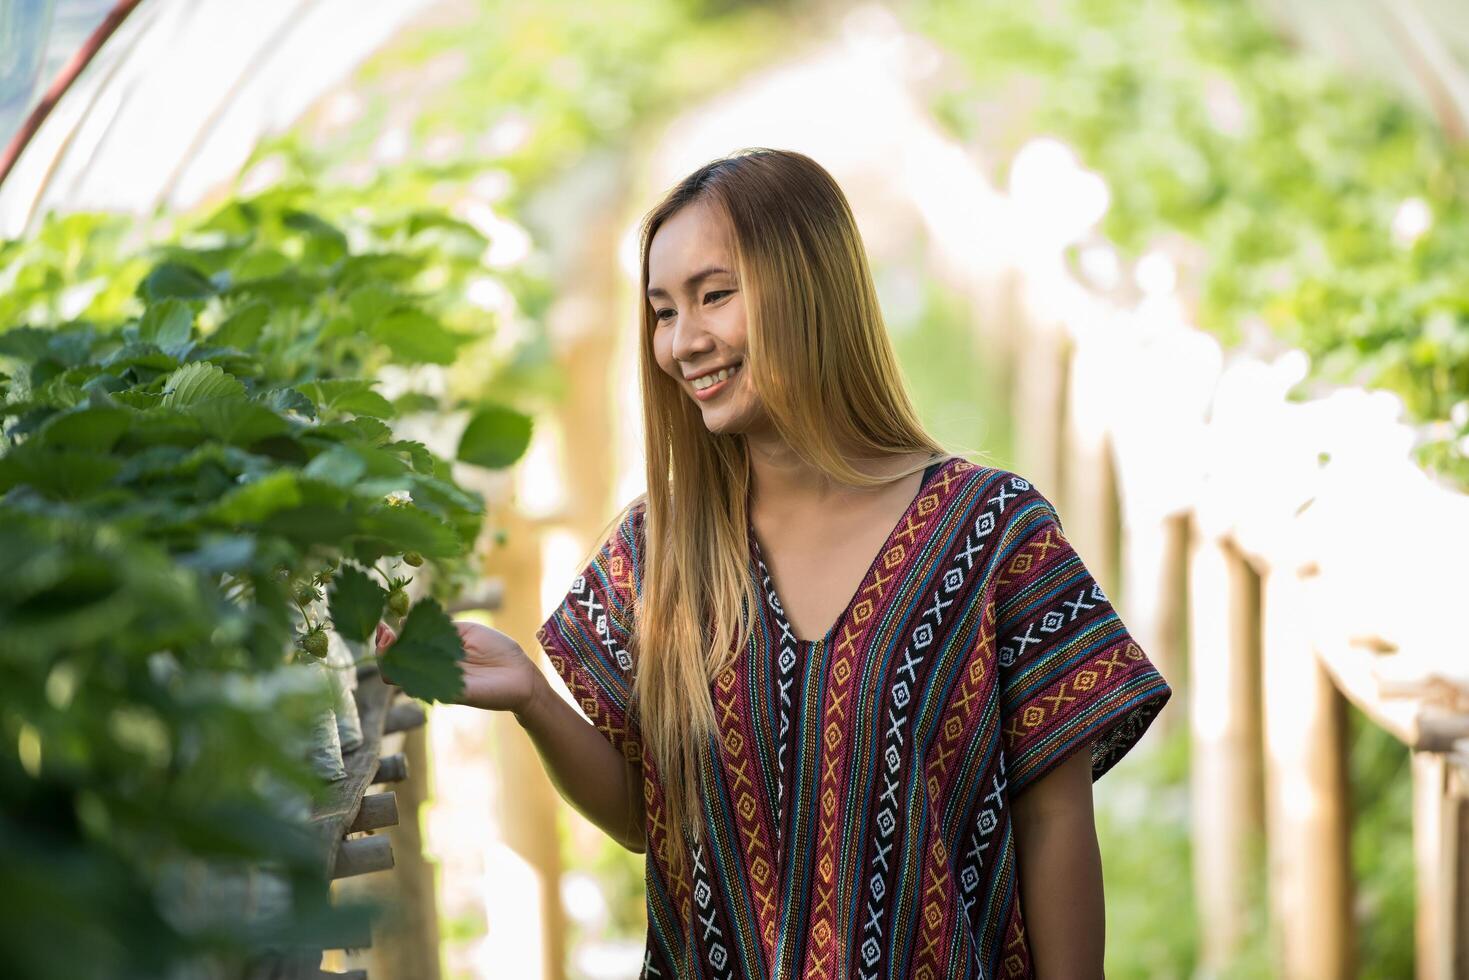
[(1070, 674), (587, 637)]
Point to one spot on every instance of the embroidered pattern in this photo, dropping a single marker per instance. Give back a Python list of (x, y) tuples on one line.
[(856, 797)]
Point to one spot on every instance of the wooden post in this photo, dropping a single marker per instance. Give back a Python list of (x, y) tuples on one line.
[(528, 805), (408, 933), (1089, 492), (1154, 556), (1224, 712), (1310, 867), (1441, 856), (1039, 405)]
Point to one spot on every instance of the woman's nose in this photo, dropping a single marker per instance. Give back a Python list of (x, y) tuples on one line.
[(690, 339)]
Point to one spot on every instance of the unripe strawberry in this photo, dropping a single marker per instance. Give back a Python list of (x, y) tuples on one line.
[(305, 593), (413, 558), (398, 602), (315, 643)]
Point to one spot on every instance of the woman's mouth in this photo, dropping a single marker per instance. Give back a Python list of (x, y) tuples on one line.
[(719, 383)]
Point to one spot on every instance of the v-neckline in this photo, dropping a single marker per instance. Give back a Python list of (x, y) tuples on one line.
[(928, 477)]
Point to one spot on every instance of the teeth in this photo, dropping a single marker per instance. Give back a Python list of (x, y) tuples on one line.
[(707, 380)]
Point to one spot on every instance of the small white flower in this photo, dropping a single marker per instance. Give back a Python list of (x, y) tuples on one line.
[(399, 498)]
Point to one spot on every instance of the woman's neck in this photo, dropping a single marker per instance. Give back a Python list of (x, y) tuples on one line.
[(783, 482)]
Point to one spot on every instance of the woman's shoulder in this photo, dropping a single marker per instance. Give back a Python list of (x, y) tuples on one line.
[(1009, 496)]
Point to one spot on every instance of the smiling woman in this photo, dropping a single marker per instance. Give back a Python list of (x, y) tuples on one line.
[(838, 805)]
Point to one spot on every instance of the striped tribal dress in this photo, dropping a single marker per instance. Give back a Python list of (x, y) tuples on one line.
[(856, 802)]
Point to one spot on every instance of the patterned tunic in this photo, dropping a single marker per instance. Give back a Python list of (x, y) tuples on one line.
[(856, 801)]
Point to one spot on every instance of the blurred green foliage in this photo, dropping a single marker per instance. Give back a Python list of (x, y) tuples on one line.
[(193, 452), (1285, 174)]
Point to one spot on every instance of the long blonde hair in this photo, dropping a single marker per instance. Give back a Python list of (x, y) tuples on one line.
[(819, 359)]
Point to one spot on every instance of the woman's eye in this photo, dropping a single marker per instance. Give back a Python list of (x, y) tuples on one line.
[(658, 314)]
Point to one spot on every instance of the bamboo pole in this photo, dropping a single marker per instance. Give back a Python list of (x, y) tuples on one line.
[(1310, 869), (1224, 712)]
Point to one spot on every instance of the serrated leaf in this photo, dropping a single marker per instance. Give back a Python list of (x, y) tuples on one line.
[(495, 437), (356, 603), (199, 382), (424, 660)]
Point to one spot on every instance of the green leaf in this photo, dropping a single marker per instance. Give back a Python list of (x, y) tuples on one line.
[(424, 660), (418, 454), (356, 603), (167, 324), (415, 401), (62, 475), (495, 437), (140, 354), (353, 395), (219, 553), (339, 465), (414, 337), (25, 343), (96, 429), (362, 428), (242, 330), (331, 243), (289, 400), (258, 500), (394, 530), (175, 280), (200, 382), (238, 421)]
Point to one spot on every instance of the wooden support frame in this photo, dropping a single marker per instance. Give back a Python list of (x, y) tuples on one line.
[(1224, 714), (1309, 826)]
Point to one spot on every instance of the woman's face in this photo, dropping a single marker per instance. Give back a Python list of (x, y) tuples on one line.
[(699, 315)]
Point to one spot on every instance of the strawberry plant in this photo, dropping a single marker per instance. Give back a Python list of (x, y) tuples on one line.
[(184, 473)]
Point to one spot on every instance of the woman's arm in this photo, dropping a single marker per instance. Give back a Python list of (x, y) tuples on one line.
[(586, 769), (1061, 871)]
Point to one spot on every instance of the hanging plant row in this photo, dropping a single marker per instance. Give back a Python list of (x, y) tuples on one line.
[(1302, 202), (198, 500)]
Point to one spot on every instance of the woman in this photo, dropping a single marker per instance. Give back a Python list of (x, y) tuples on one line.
[(870, 680)]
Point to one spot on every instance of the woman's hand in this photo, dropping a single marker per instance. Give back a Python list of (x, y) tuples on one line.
[(498, 676)]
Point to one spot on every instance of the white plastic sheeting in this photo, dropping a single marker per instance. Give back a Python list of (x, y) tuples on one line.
[(174, 102)]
